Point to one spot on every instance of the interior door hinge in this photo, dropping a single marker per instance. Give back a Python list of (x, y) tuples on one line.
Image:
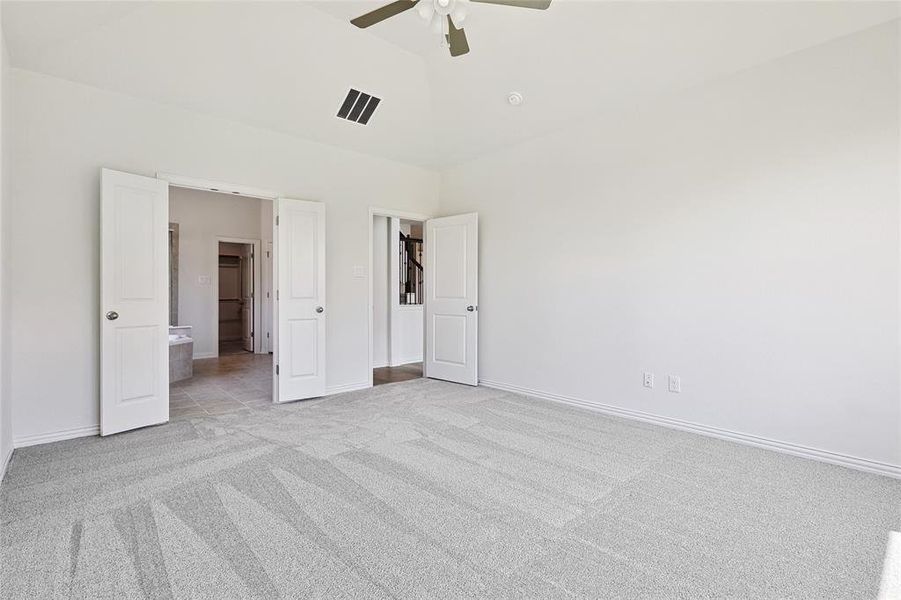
[(276, 369), (276, 220)]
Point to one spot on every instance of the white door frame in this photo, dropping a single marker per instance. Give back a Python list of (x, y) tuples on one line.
[(400, 214), (257, 286)]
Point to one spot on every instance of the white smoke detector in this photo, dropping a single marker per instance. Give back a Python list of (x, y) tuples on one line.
[(514, 98)]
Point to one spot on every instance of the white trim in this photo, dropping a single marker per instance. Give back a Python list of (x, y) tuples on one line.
[(56, 436), (400, 214), (835, 458), (257, 286), (5, 464), (890, 588), (407, 361), (347, 387), (375, 211), (217, 186), (206, 355)]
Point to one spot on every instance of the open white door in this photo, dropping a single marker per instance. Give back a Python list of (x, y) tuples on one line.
[(134, 301), (247, 316), (452, 298), (299, 300)]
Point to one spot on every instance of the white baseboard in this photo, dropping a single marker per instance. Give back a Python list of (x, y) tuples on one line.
[(206, 355), (844, 460), (55, 436), (347, 387), (406, 361)]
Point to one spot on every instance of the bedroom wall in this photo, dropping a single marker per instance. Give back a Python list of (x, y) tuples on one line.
[(6, 432), (65, 132), (743, 235)]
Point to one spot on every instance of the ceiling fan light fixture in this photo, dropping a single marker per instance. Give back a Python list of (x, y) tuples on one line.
[(458, 14), (444, 17), (426, 10)]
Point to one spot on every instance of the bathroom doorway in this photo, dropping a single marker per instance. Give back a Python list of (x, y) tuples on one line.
[(220, 358)]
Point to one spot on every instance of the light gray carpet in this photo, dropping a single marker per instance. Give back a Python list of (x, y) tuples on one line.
[(426, 489)]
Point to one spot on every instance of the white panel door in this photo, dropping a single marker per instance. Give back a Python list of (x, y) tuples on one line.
[(452, 298), (300, 300), (134, 302)]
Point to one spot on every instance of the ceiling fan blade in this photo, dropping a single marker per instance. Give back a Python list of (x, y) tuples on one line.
[(456, 39), (537, 4), (385, 12)]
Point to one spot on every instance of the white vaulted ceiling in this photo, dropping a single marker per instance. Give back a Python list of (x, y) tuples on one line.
[(286, 66)]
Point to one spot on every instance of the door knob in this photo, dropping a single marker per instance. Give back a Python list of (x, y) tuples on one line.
[(112, 315), (319, 309), (470, 308)]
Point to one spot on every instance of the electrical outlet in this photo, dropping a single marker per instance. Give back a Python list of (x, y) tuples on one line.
[(648, 381), (675, 384)]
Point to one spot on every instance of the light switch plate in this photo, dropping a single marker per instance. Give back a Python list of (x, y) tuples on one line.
[(359, 272), (648, 380), (203, 279)]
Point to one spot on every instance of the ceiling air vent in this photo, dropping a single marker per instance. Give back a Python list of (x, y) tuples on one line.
[(358, 107)]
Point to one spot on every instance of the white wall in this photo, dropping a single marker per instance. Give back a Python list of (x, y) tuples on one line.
[(65, 132), (202, 217), (380, 292), (6, 433), (406, 334), (743, 235)]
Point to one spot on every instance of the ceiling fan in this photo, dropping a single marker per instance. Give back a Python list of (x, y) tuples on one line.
[(444, 16)]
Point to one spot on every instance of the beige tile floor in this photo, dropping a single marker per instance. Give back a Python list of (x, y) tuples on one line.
[(223, 385)]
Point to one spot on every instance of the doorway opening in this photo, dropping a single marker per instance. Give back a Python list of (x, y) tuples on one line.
[(398, 278), (220, 290), (236, 298)]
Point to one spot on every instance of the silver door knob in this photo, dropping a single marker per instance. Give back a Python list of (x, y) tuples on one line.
[(112, 315), (470, 308), (319, 309)]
